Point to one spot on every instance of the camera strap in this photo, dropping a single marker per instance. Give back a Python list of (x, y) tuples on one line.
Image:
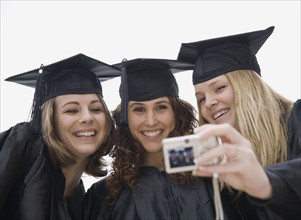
[(217, 198)]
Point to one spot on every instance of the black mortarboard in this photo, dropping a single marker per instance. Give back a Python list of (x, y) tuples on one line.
[(147, 79), (217, 56), (78, 74)]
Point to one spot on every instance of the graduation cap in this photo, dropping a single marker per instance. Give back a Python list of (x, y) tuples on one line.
[(147, 79), (217, 56), (78, 74)]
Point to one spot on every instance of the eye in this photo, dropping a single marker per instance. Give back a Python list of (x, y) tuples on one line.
[(138, 109), (201, 100), (71, 111), (161, 107), (220, 89), (97, 110), (96, 107)]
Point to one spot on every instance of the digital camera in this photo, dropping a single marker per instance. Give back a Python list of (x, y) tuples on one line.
[(179, 152)]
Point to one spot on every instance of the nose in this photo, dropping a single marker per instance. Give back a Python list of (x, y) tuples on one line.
[(150, 118), (85, 116), (210, 101)]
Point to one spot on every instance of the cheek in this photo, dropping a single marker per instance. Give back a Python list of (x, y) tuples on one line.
[(57, 123), (101, 119), (204, 112), (62, 124), (230, 96), (133, 123), (59, 128), (133, 128), (171, 120)]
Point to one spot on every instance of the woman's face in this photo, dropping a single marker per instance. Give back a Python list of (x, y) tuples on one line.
[(216, 100), (151, 121), (80, 123)]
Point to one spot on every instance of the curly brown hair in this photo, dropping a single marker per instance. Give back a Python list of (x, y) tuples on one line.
[(128, 153)]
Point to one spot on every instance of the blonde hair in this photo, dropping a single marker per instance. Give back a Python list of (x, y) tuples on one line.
[(61, 155), (262, 115)]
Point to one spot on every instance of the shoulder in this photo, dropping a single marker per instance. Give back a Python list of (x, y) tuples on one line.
[(99, 186), (94, 204), (20, 129), (297, 107), (18, 136), (294, 131), (21, 146), (294, 121), (97, 191)]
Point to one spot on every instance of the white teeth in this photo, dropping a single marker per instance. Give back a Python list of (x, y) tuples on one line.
[(151, 133), (217, 115), (86, 133)]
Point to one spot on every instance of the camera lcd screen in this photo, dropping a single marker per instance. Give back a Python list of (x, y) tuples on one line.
[(180, 152), (182, 156)]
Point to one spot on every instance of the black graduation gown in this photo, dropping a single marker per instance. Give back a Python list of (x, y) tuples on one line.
[(286, 177), (30, 186), (160, 197)]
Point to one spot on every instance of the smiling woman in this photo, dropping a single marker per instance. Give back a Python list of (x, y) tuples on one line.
[(150, 121), (260, 128), (211, 92), (69, 133), (79, 122)]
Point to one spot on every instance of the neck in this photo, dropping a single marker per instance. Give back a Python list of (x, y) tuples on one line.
[(154, 160), (73, 175)]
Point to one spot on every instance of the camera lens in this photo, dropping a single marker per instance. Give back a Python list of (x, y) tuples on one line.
[(186, 141)]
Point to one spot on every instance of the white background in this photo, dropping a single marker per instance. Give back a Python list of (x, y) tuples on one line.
[(34, 32)]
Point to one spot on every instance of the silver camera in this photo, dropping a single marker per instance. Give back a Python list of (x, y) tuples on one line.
[(179, 152)]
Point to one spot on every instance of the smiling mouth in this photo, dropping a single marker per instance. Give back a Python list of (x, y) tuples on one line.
[(85, 133), (152, 133), (219, 114)]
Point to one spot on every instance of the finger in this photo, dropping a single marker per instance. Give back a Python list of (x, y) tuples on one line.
[(201, 173), (221, 130), (228, 150), (226, 168), (225, 131)]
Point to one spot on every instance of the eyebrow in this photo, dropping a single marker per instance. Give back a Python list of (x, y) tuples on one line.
[(211, 84), (156, 103), (77, 103)]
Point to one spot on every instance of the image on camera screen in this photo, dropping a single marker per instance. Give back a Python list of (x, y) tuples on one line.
[(180, 157), (180, 152)]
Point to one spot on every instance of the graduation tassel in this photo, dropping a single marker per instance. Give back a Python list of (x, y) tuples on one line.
[(124, 94), (36, 113)]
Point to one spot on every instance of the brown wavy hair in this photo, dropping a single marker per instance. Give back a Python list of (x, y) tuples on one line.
[(61, 156), (128, 153)]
